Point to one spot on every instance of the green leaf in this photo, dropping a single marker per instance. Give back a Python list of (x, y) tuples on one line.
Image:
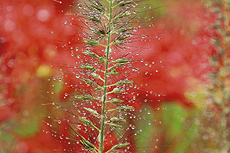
[(125, 29), (113, 72), (123, 60), (84, 120), (95, 75), (97, 8), (94, 18), (98, 88), (115, 100), (122, 108), (98, 32), (120, 16), (124, 82), (114, 125), (118, 90), (116, 119), (91, 54), (91, 42), (84, 97), (118, 42), (124, 36), (89, 82), (87, 67), (87, 122), (118, 146), (120, 62), (102, 59), (86, 144), (123, 3), (92, 111)]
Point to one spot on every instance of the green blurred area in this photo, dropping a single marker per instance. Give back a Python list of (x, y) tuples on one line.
[(166, 130)]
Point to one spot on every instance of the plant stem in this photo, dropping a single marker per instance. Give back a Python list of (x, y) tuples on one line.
[(105, 82)]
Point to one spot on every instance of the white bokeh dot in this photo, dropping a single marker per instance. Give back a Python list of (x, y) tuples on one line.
[(9, 25), (43, 15)]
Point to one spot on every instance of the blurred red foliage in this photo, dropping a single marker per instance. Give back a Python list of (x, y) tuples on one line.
[(25, 40), (25, 32), (178, 51)]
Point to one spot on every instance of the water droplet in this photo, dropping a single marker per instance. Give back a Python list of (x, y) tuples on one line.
[(80, 6), (134, 97), (143, 36), (134, 4), (133, 127), (77, 76)]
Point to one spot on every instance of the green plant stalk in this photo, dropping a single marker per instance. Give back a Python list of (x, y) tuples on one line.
[(106, 78)]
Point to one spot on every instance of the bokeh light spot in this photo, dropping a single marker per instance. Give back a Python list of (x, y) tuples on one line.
[(28, 10), (43, 15)]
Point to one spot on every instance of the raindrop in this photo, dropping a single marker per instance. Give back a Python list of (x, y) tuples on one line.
[(77, 76), (133, 127), (143, 36), (80, 6)]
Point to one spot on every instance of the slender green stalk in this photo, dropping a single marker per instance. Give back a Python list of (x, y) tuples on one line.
[(106, 78)]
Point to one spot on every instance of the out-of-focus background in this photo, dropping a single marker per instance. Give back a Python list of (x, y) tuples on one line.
[(191, 52)]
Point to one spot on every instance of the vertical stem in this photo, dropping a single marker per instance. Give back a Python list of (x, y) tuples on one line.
[(106, 78)]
